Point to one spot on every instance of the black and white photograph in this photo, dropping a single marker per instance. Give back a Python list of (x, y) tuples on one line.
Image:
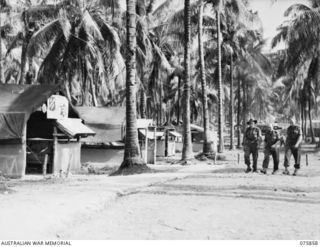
[(159, 120)]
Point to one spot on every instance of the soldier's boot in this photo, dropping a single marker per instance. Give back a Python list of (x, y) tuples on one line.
[(275, 172), (248, 169), (264, 170), (286, 171), (295, 172)]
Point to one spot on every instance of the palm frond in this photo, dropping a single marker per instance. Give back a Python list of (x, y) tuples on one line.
[(296, 9), (42, 39)]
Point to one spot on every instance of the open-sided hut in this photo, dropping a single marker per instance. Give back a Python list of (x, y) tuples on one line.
[(29, 141)]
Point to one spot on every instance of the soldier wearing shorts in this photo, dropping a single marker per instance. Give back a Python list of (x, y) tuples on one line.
[(251, 141), (272, 147), (293, 147)]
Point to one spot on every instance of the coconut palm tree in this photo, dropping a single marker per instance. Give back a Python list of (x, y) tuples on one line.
[(80, 50), (241, 13), (3, 7), (132, 159), (187, 144), (207, 142), (301, 36)]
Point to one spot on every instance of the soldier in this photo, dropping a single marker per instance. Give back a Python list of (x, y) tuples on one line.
[(251, 141), (293, 146), (272, 147)]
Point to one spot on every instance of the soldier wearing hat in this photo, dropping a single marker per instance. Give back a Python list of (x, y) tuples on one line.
[(293, 146), (251, 141), (272, 147)]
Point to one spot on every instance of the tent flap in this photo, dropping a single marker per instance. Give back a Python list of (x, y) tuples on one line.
[(11, 125)]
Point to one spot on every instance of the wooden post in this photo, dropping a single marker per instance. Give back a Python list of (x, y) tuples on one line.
[(55, 144), (155, 146), (146, 147), (238, 158), (24, 147), (307, 160), (166, 144), (44, 165)]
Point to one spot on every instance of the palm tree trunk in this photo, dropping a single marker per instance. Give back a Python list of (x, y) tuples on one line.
[(305, 121), (302, 119), (231, 105), (207, 142), (244, 107), (313, 139), (132, 156), (220, 93), (160, 102), (179, 97), (93, 93), (25, 43), (239, 114), (187, 144), (142, 104), (1, 80)]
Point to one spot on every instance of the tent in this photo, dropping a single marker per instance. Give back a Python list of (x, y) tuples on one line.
[(107, 122), (106, 147), (27, 136)]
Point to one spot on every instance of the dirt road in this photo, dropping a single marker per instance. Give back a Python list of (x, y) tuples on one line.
[(221, 204), (200, 201)]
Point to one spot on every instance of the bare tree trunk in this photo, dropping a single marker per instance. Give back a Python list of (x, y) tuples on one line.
[(187, 144), (220, 92), (231, 105), (239, 114), (132, 156), (207, 142)]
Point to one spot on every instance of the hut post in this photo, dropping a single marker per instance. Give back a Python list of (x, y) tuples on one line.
[(146, 147), (55, 144), (44, 165), (24, 147), (155, 146), (166, 144)]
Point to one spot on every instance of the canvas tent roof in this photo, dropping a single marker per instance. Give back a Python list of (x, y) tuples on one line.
[(105, 121), (17, 102), (24, 98)]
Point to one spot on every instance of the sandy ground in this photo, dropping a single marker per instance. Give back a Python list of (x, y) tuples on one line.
[(195, 202)]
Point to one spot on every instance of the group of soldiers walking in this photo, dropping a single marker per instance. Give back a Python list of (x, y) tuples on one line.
[(273, 141)]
